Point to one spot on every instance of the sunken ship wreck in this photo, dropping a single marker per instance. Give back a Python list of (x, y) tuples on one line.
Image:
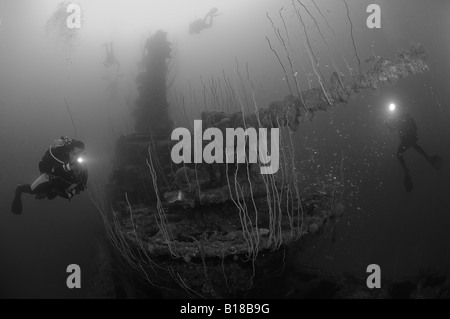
[(219, 230)]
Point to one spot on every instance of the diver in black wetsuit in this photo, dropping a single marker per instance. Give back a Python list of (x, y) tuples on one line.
[(407, 131), (201, 24), (63, 173)]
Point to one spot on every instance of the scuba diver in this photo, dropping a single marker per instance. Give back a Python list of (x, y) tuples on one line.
[(110, 58), (201, 24), (407, 130), (63, 173)]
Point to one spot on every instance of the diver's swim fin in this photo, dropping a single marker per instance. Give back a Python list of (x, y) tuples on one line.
[(437, 162), (408, 183), (16, 206)]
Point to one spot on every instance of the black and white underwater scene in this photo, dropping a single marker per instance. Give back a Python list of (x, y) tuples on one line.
[(224, 149)]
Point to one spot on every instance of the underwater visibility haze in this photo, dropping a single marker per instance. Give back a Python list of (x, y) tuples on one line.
[(96, 96)]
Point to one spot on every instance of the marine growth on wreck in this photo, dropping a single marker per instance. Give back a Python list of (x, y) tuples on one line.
[(216, 230)]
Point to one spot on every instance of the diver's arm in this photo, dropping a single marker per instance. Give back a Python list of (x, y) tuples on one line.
[(56, 151), (210, 16), (80, 187), (205, 19), (68, 167), (62, 169), (66, 195)]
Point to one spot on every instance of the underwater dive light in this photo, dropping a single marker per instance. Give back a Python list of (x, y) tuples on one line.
[(392, 107), (80, 160)]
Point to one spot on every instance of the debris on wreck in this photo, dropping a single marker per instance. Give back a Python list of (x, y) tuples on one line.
[(213, 230), (339, 90)]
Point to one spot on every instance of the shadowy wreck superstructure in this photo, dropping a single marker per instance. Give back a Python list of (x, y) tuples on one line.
[(219, 230)]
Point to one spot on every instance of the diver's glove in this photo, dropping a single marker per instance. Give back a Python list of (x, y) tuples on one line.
[(70, 194), (79, 189)]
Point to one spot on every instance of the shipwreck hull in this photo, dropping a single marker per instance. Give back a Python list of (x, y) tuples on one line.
[(209, 254), (220, 230)]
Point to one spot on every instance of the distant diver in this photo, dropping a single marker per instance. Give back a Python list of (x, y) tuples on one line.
[(407, 130), (63, 173), (110, 58), (198, 25)]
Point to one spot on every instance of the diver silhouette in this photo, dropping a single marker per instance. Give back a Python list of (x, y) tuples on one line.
[(63, 173), (198, 25), (406, 126), (110, 58)]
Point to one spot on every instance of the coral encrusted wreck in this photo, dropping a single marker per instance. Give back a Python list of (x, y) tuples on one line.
[(215, 230)]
